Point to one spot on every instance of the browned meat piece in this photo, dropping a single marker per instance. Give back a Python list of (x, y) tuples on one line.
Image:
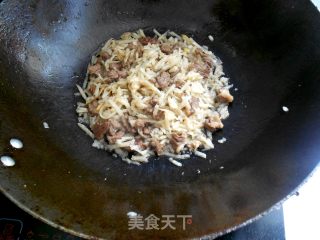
[(116, 71), (100, 128), (225, 96), (208, 60), (104, 56), (132, 46), (92, 88), (166, 48), (115, 131), (202, 68), (178, 141), (194, 145), (158, 115), (113, 74), (163, 80), (200, 53), (95, 69), (213, 123), (138, 141), (146, 130), (92, 108), (126, 125), (156, 146), (140, 123), (147, 40), (123, 73), (113, 138), (206, 71), (194, 104), (114, 127), (154, 101), (179, 84), (203, 63), (178, 137)]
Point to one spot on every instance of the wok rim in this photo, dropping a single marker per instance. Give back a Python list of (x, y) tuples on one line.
[(209, 236)]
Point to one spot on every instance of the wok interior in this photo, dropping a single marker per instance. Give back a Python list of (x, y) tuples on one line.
[(270, 52)]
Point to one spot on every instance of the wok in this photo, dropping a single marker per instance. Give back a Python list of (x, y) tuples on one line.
[(271, 53)]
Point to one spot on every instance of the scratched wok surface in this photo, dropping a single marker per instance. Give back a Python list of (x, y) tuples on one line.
[(271, 53)]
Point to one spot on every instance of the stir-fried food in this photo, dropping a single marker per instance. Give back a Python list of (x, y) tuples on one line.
[(158, 95)]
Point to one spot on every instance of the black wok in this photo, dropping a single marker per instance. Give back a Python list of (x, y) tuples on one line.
[(271, 52)]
